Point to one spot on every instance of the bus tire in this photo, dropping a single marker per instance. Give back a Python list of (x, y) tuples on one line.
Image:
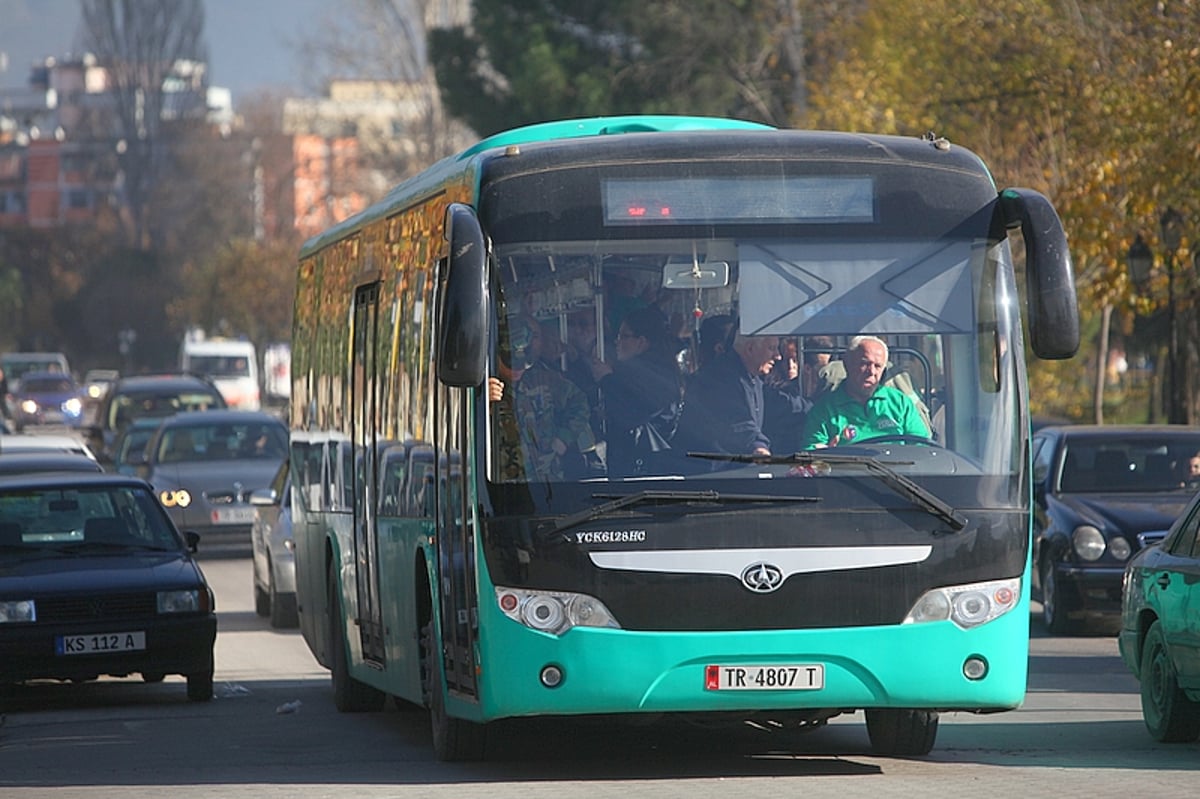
[(349, 694), (1169, 715), (901, 731), (454, 739)]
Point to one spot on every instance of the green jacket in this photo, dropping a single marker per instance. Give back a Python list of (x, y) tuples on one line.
[(889, 411)]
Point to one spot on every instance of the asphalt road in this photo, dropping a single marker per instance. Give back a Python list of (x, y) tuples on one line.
[(272, 731)]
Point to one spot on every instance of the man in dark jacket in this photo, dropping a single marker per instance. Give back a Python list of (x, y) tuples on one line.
[(723, 407)]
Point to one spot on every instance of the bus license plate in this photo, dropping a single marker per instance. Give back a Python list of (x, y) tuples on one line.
[(783, 677), (104, 642)]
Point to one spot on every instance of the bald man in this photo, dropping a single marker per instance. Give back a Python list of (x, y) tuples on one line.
[(861, 407)]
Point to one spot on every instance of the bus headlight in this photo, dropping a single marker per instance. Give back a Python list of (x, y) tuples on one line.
[(966, 605), (553, 611)]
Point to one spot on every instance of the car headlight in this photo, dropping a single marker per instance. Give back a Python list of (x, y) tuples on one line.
[(18, 610), (73, 406), (1118, 547), (1088, 542), (29, 406), (171, 498), (553, 611), (180, 601), (966, 605)]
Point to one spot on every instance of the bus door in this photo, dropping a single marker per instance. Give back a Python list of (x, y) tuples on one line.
[(455, 546), (364, 400)]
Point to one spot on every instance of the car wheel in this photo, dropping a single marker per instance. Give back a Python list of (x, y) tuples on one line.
[(454, 739), (200, 686), (349, 694), (283, 606), (1169, 715), (1054, 616), (262, 601), (901, 732)]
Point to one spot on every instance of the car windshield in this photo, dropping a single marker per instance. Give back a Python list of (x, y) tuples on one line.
[(66, 521), (132, 405), (1128, 464), (220, 365), (221, 441), (47, 385)]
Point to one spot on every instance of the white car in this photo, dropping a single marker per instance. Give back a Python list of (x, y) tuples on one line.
[(21, 442), (274, 551)]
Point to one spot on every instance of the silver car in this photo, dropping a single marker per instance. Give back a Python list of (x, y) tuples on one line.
[(204, 465), (274, 551)]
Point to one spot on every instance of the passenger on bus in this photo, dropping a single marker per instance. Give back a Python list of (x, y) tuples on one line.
[(642, 394), (723, 403), (790, 389), (715, 337), (861, 407), (542, 416)]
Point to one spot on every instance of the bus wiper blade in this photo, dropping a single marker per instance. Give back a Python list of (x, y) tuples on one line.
[(893, 479), (617, 501)]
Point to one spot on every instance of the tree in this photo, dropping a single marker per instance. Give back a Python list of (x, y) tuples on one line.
[(522, 62), (141, 43)]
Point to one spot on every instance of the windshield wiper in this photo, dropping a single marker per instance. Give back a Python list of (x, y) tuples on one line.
[(617, 501), (893, 479)]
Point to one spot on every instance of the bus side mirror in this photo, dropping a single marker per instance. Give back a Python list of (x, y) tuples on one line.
[(463, 316), (1049, 278)]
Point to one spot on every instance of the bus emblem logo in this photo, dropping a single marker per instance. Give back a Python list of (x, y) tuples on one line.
[(762, 578)]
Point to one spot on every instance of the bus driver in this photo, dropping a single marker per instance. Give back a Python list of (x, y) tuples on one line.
[(861, 407)]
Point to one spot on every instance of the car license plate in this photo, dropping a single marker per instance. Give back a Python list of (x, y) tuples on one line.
[(102, 642), (776, 677), (233, 515)]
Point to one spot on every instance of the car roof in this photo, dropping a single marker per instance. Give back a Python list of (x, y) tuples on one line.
[(1119, 430), (220, 416), (9, 482), (156, 381), (47, 461), (27, 442)]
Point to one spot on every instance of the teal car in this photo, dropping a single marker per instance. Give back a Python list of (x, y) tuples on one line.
[(1160, 629)]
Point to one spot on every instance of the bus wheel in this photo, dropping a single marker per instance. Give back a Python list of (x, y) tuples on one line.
[(349, 695), (1169, 715), (454, 739), (903, 732)]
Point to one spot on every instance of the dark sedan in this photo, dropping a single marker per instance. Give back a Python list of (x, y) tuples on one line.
[(95, 580), (1160, 629), (205, 464), (1101, 493)]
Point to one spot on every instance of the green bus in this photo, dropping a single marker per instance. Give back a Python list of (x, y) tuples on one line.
[(481, 554)]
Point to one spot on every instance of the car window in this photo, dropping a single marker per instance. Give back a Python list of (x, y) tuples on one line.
[(127, 406), (51, 521), (1128, 464), (1042, 454), (222, 441)]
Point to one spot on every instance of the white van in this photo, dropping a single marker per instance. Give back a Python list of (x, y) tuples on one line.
[(231, 364)]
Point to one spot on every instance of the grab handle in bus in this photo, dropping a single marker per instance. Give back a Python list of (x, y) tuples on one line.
[(462, 326), (1050, 280)]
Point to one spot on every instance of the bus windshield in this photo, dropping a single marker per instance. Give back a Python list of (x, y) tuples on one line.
[(608, 351)]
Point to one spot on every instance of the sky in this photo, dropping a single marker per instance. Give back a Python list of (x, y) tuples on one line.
[(249, 41)]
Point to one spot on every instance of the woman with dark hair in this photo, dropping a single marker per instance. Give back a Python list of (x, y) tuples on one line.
[(641, 391)]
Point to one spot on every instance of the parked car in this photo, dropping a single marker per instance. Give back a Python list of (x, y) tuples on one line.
[(46, 461), (204, 465), (158, 395), (1101, 493), (95, 580), (273, 551), (45, 443), (1160, 629), (44, 398)]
